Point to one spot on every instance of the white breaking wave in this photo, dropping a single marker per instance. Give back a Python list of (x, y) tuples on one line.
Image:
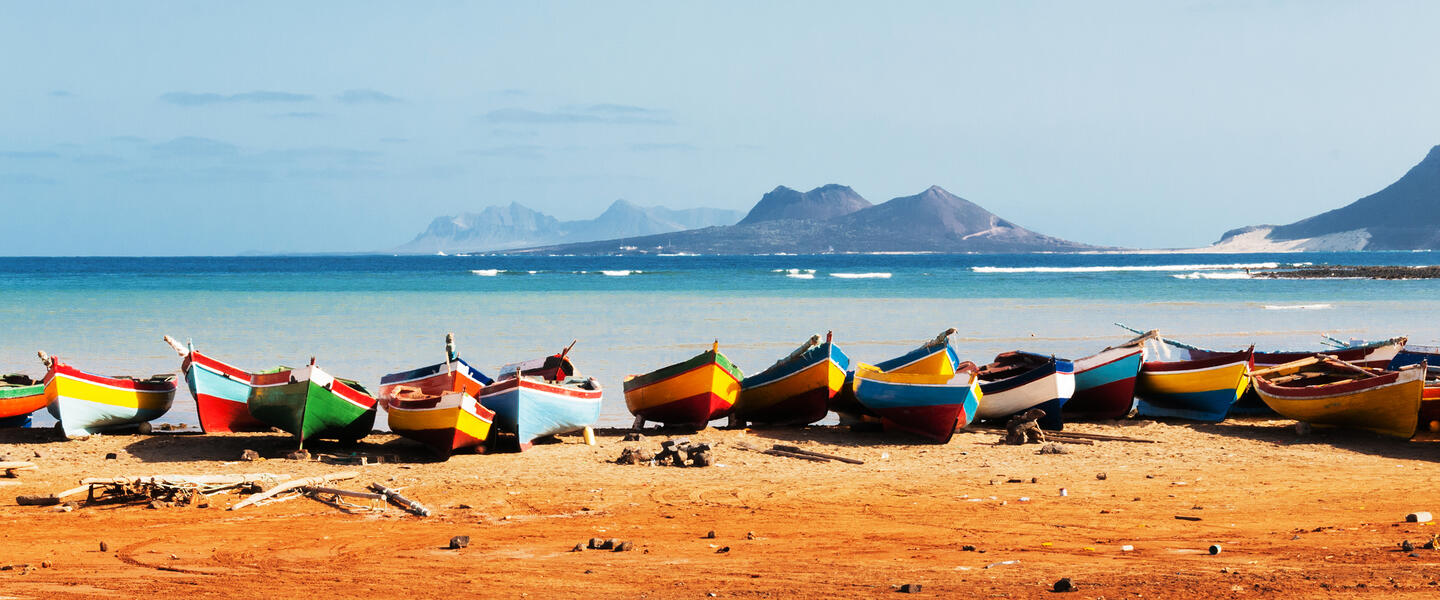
[(800, 275), (1220, 275), (620, 273), (1298, 306), (793, 271), (861, 275), (1121, 268), (486, 272)]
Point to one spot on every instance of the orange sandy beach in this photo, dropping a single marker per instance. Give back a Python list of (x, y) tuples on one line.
[(1295, 516)]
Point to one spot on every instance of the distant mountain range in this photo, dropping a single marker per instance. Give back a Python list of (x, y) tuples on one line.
[(833, 218), (1403, 216), (516, 226)]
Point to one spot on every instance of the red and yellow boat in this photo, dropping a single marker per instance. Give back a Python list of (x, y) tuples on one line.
[(693, 392)]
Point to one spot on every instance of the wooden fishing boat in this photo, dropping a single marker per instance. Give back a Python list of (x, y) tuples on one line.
[(1199, 390), (1019, 381), (436, 405), (86, 403), (312, 404), (693, 392), (929, 405), (221, 391), (447, 423), (1324, 390), (797, 389), (542, 397), (934, 357), (1105, 382), (1368, 354), (19, 397), (452, 375), (1411, 354)]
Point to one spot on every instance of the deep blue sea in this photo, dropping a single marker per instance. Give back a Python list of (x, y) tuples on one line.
[(364, 316)]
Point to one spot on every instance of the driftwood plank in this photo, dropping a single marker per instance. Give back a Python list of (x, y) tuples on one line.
[(799, 450), (290, 485), (403, 502)]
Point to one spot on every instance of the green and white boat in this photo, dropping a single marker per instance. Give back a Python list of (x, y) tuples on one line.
[(312, 404)]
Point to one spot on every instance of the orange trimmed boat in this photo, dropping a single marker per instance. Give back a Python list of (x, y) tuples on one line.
[(1324, 390), (693, 392), (19, 396), (436, 405), (797, 389)]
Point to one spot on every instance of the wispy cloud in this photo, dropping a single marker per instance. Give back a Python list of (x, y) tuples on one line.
[(25, 179), (366, 97), (300, 115), (194, 147), (511, 151), (618, 114), (27, 154), (256, 97), (663, 148)]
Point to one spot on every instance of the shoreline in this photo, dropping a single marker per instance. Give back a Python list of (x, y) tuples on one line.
[(794, 528)]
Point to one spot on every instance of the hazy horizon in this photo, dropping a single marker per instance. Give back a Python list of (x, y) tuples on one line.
[(216, 129)]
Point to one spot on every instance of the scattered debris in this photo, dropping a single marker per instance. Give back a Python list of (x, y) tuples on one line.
[(301, 454), (596, 544), (394, 496), (459, 541), (1101, 476), (635, 456), (1024, 429), (1053, 449), (749, 535), (1187, 518), (1064, 585), (1406, 546), (250, 455), (1418, 517), (625, 546), (710, 535), (358, 460), (723, 550), (634, 437), (578, 547), (1127, 548), (910, 588), (1214, 549), (293, 485), (112, 456), (799, 450), (967, 548), (13, 469), (1003, 562), (104, 547)]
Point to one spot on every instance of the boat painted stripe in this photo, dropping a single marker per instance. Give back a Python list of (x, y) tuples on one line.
[(211, 364), (146, 386)]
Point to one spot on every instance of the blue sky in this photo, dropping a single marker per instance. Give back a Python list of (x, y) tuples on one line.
[(216, 128)]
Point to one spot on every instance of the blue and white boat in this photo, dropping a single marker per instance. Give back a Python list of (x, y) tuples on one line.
[(1019, 381)]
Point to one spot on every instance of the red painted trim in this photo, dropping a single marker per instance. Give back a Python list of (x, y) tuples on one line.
[(507, 384), (215, 365), (1204, 363), (127, 384), (1329, 390)]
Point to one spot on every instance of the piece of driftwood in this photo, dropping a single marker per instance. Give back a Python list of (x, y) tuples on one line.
[(294, 484), (339, 492), (401, 501), (799, 450), (773, 452), (13, 468), (50, 499), (1060, 439), (186, 479), (1101, 437)]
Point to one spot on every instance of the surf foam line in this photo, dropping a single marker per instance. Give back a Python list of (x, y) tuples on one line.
[(1126, 268), (861, 275), (1220, 275), (1298, 306)]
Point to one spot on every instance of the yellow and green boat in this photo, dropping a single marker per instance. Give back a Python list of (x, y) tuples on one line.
[(311, 404)]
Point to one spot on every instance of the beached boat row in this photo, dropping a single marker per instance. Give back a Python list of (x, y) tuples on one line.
[(452, 406)]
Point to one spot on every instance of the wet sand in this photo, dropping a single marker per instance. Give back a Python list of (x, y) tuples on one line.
[(1319, 515)]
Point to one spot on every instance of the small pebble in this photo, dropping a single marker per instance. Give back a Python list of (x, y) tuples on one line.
[(625, 546), (104, 547), (723, 550), (1064, 585), (459, 541), (1214, 549), (1101, 476), (710, 535), (578, 548), (910, 588)]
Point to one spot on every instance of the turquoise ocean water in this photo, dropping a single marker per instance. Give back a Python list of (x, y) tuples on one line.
[(365, 316)]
